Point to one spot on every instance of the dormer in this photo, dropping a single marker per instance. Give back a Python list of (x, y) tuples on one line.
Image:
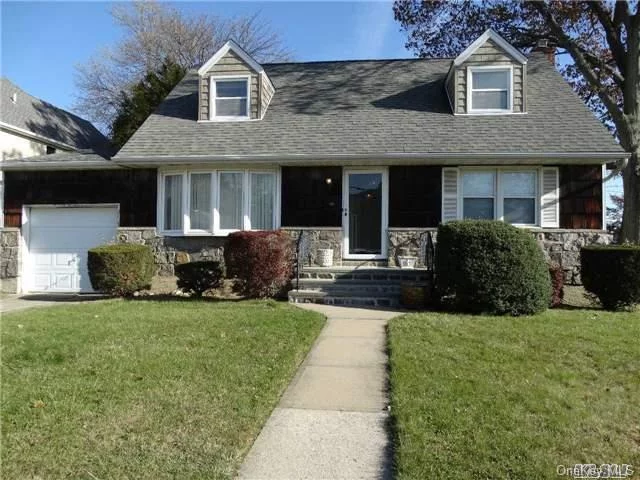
[(233, 87), (488, 78)]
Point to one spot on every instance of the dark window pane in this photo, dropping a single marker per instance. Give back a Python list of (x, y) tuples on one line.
[(311, 196), (414, 196), (231, 88), (231, 107), (478, 208), (520, 210), (490, 100)]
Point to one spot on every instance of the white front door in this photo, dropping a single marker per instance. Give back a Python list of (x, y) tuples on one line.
[(365, 196), (58, 240)]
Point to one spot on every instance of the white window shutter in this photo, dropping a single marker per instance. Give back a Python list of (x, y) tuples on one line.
[(449, 194), (550, 198)]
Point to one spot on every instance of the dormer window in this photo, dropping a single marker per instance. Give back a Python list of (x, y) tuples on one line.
[(230, 98), (489, 89)]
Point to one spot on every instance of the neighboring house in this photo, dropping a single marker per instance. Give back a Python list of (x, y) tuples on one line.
[(31, 127), (366, 157)]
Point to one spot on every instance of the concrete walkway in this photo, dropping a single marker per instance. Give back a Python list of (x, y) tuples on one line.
[(331, 422)]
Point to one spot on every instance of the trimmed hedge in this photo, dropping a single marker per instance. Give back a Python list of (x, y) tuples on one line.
[(491, 267), (120, 269), (557, 284), (612, 274), (261, 262), (199, 277)]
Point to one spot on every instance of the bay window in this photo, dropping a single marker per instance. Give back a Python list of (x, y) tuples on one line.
[(218, 202), (496, 194)]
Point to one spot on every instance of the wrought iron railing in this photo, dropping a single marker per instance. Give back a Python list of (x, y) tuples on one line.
[(301, 252)]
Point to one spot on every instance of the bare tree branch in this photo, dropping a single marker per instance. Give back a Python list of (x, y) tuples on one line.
[(153, 33)]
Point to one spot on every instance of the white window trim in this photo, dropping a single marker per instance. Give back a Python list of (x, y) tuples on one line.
[(213, 97), (498, 195), (215, 229), (470, 89)]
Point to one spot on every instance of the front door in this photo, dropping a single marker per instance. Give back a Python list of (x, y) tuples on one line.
[(365, 214)]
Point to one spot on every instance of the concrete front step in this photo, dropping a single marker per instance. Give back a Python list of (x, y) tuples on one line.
[(353, 287), (366, 274), (345, 298)]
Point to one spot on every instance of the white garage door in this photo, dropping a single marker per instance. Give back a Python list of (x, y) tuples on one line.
[(58, 242)]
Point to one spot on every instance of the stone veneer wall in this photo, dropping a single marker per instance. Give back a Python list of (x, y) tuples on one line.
[(171, 251), (560, 246), (9, 259), (315, 238)]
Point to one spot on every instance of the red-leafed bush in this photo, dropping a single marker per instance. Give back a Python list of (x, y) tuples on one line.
[(261, 263), (557, 284)]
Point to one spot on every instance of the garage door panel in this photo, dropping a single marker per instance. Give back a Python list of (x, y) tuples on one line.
[(68, 217), (53, 239), (58, 242)]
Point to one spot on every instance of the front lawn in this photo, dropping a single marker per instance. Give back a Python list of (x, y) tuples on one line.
[(144, 389), (479, 397)]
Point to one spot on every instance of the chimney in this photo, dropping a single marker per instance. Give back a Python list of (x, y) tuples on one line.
[(545, 46)]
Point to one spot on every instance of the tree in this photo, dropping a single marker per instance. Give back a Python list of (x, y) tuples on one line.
[(600, 38), (154, 32), (135, 106), (615, 214)]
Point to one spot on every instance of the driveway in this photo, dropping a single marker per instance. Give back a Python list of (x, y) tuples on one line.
[(10, 303)]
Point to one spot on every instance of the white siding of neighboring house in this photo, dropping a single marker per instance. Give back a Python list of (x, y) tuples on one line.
[(13, 147)]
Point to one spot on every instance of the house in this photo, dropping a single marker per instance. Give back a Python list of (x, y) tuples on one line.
[(30, 127), (363, 157)]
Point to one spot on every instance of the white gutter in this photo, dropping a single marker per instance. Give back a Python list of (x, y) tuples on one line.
[(441, 158), (9, 166)]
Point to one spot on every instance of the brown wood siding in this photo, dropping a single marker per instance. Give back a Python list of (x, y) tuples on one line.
[(581, 196), (308, 200), (229, 65), (415, 196), (134, 190), (490, 54)]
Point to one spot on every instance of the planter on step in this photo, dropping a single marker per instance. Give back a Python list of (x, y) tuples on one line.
[(406, 261), (325, 257)]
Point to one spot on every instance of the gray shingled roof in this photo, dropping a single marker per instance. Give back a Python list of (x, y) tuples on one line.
[(43, 119), (372, 108)]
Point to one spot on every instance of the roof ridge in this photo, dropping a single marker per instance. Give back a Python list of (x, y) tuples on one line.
[(361, 60)]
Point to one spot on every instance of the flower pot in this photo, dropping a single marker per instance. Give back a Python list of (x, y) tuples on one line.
[(407, 261), (325, 257)]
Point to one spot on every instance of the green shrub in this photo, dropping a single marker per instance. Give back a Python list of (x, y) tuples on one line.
[(612, 274), (120, 269), (199, 277), (491, 267)]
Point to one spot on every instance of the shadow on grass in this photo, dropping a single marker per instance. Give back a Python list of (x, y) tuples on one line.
[(64, 297)]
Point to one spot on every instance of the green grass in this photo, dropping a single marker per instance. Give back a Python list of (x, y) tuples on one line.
[(144, 389), (496, 397)]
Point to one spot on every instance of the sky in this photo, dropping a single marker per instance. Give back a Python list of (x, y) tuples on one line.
[(42, 42), (54, 37)]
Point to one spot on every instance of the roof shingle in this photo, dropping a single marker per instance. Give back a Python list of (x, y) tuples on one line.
[(373, 108)]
